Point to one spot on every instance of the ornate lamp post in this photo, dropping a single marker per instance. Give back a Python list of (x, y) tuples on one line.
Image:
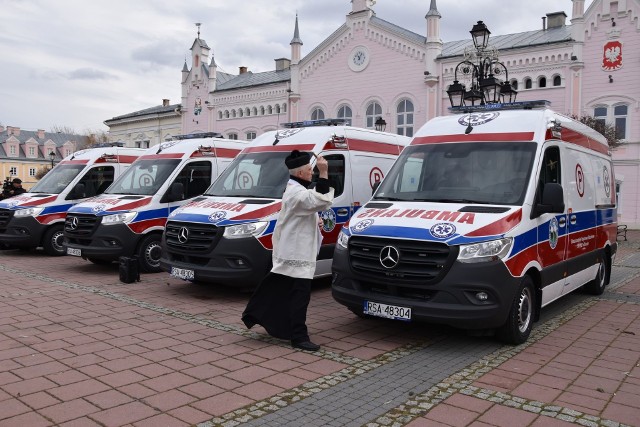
[(483, 68), (380, 124), (52, 155)]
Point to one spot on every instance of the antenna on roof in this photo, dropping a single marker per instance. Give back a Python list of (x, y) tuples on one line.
[(198, 25), (277, 125)]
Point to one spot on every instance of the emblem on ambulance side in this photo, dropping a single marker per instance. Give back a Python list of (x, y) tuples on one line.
[(443, 230), (553, 233), (477, 119), (328, 220), (217, 216), (362, 225), (98, 208), (607, 181)]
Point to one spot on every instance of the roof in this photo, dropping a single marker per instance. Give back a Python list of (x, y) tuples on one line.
[(59, 139), (158, 109), (249, 79)]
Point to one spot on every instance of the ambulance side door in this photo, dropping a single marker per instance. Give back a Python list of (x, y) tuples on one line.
[(195, 177), (341, 181), (581, 218), (552, 228)]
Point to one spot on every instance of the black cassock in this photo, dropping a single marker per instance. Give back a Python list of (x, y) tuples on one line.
[(279, 305)]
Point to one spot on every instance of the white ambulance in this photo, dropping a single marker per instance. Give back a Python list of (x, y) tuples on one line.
[(36, 218), (129, 218), (224, 237), (487, 217)]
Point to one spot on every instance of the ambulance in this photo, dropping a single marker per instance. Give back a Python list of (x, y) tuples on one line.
[(488, 216), (36, 218), (224, 237), (129, 218)]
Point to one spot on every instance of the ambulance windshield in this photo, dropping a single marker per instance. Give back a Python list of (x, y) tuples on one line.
[(144, 177), (493, 173), (261, 175), (57, 179)]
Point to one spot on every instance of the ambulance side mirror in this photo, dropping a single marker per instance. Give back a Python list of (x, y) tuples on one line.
[(552, 200), (175, 193)]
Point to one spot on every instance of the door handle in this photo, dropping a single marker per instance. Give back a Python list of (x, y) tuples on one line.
[(562, 222), (343, 211), (572, 220)]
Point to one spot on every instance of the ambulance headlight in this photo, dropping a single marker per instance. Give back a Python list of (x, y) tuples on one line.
[(343, 240), (121, 218), (245, 230), (28, 212), (485, 251)]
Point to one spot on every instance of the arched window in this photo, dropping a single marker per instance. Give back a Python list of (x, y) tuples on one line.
[(514, 84), (262, 111), (247, 112), (404, 118), (219, 114), (226, 114), (277, 108), (542, 82), (557, 81), (317, 114), (374, 110), (233, 113), (284, 108), (255, 111), (240, 113), (269, 109), (251, 135), (344, 112), (527, 83), (232, 135)]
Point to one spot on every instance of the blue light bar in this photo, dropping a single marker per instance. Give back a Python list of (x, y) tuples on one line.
[(311, 123), (520, 105), (199, 135)]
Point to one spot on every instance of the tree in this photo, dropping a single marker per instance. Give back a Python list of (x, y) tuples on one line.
[(95, 137), (605, 129), (63, 129), (42, 172)]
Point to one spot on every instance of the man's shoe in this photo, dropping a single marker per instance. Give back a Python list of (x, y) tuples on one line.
[(305, 345)]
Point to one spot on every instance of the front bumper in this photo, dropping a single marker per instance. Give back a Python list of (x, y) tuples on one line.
[(23, 232), (451, 300), (106, 242)]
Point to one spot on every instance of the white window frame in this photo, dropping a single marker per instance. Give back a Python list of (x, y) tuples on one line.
[(317, 113), (13, 171), (372, 112), (251, 135), (345, 112), (611, 118), (32, 172), (405, 116)]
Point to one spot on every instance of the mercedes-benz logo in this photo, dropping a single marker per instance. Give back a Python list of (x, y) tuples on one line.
[(389, 257), (73, 223), (183, 235)]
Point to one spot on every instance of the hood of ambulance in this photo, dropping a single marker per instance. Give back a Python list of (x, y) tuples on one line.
[(450, 223), (31, 200), (108, 204), (222, 211)]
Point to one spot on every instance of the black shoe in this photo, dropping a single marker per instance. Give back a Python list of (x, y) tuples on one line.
[(248, 322), (305, 345)]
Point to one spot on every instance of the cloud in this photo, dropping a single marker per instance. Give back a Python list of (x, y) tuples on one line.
[(90, 74), (165, 53)]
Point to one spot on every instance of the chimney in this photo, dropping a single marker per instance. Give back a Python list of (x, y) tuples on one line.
[(544, 20), (40, 133), (12, 130), (282, 64), (243, 70), (165, 102), (556, 20)]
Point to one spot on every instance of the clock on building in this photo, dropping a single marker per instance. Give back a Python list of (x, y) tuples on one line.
[(358, 58)]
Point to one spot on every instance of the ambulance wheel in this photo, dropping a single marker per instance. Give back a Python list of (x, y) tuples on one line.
[(52, 241), (519, 323), (149, 251), (597, 285)]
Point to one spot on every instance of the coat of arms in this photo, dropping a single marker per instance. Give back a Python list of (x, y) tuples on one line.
[(612, 56)]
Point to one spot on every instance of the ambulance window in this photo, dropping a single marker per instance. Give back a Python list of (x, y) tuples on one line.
[(195, 177), (94, 182), (550, 171), (336, 173)]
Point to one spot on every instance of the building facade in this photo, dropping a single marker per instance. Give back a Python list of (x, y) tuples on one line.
[(23, 153), (369, 68)]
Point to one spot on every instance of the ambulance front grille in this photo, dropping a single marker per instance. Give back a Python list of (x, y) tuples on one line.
[(417, 261), (200, 238), (5, 217), (80, 226)]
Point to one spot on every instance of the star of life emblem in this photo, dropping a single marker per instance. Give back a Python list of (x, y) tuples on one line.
[(362, 225), (217, 216), (443, 230), (98, 208)]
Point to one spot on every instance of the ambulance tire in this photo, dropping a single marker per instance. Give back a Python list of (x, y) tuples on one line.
[(52, 241), (149, 251), (519, 323), (597, 285)]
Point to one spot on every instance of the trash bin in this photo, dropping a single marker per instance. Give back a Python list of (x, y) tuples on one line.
[(129, 269)]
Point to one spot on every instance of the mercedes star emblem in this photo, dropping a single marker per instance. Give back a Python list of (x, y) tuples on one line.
[(73, 223), (183, 235), (389, 257)]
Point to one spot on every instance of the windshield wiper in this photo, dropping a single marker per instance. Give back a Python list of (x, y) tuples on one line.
[(391, 199), (471, 201)]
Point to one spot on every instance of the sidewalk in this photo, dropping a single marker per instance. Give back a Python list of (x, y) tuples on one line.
[(79, 348)]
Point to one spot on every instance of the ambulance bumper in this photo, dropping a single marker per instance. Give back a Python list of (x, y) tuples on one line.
[(456, 300), (107, 242), (23, 232), (237, 263)]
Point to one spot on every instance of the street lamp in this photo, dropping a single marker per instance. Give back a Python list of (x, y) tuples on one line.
[(52, 156), (380, 124), (483, 69)]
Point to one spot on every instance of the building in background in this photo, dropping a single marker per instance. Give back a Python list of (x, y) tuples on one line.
[(23, 153), (369, 68)]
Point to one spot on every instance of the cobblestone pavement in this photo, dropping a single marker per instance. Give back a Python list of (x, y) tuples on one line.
[(80, 348)]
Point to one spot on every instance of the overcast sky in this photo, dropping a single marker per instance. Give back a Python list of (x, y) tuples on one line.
[(76, 63)]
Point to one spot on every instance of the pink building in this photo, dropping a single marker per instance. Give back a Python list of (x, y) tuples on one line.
[(585, 64)]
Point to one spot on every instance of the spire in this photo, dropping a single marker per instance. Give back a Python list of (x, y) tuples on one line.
[(296, 34), (213, 62), (433, 10), (198, 25), (184, 67)]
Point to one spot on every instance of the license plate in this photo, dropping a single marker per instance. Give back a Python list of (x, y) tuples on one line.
[(387, 311), (74, 252), (182, 273)]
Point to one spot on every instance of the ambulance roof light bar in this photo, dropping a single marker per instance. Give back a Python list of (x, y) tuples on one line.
[(199, 135), (311, 123), (520, 105)]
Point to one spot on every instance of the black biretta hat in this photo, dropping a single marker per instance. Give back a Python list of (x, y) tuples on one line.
[(17, 180), (297, 159)]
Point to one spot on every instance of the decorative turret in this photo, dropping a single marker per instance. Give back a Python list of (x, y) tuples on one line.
[(213, 71), (434, 43), (361, 5), (296, 44)]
